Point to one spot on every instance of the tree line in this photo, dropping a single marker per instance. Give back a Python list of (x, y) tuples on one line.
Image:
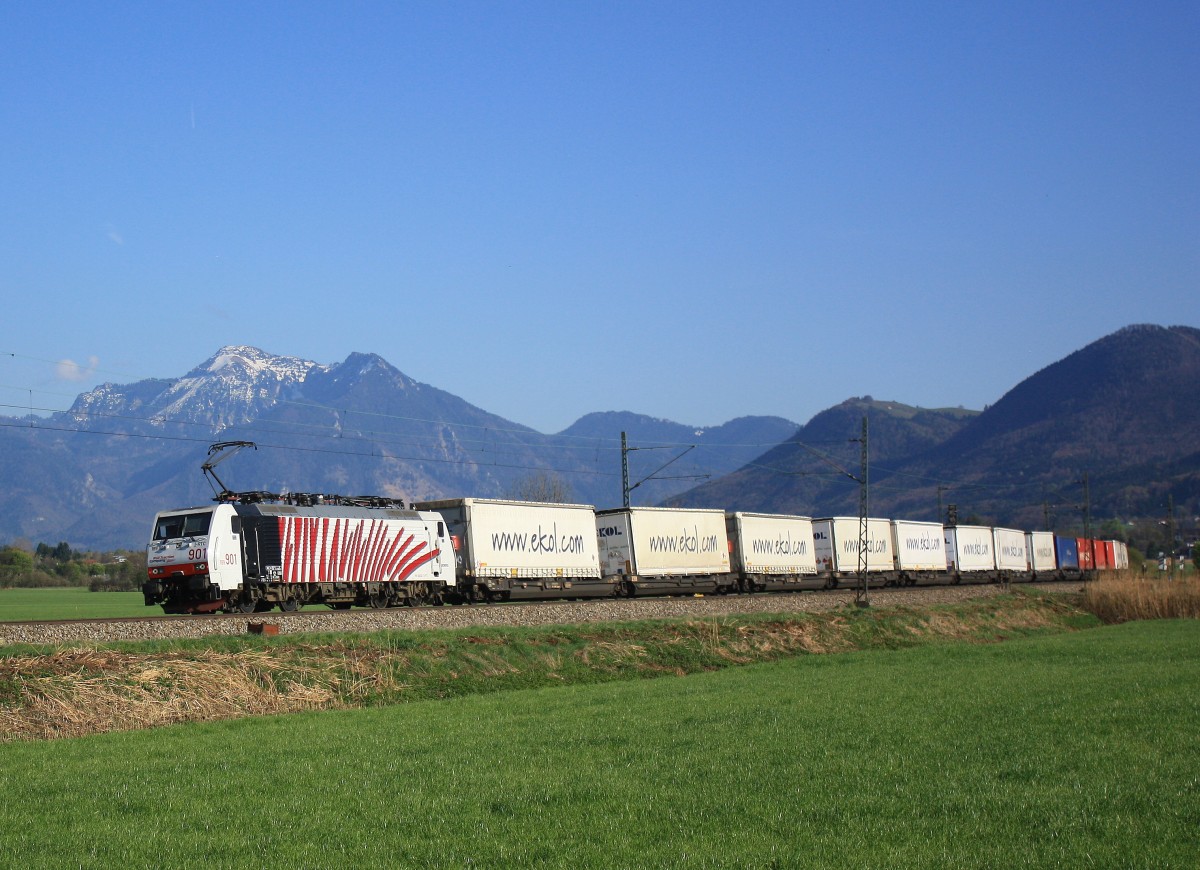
[(60, 565)]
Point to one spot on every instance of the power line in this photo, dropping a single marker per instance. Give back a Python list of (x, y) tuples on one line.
[(81, 366), (373, 455), (485, 447), (593, 442), (496, 448)]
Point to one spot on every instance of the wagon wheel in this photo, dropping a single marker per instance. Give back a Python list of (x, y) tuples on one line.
[(289, 605)]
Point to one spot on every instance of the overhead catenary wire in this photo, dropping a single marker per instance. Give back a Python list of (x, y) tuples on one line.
[(838, 471), (188, 439), (488, 445), (593, 444)]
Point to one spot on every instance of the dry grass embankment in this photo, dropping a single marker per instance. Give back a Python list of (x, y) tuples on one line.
[(71, 692), (1125, 597)]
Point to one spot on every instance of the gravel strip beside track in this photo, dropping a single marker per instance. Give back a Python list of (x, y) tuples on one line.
[(564, 612)]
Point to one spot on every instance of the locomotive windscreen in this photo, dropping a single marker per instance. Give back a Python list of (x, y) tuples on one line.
[(182, 526)]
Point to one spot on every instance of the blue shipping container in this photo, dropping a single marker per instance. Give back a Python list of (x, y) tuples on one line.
[(1066, 550)]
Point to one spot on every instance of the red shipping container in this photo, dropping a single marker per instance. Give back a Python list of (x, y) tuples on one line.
[(1110, 555), (1086, 560)]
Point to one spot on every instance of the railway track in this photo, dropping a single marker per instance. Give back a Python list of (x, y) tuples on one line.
[(507, 614)]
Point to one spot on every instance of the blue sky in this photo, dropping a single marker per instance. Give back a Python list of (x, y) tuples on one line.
[(691, 210)]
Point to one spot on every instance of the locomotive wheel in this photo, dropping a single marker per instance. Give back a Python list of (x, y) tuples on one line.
[(243, 606), (380, 600)]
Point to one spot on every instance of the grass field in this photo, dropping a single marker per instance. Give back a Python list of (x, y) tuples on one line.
[(75, 692), (71, 602), (1077, 749)]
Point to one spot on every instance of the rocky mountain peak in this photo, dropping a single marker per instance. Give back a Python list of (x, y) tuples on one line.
[(232, 386), (245, 362)]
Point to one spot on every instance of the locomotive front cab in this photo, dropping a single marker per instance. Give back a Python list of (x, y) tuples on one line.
[(177, 563)]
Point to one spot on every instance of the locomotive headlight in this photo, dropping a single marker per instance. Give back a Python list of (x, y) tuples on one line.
[(202, 567)]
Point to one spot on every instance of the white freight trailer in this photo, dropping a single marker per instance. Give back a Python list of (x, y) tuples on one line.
[(664, 549), (969, 550), (836, 541), (1120, 555), (1009, 547), (770, 550), (920, 548), (1041, 553), (521, 549)]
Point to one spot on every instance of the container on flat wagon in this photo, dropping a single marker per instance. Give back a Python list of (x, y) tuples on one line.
[(662, 542), (918, 546), (499, 538), (1040, 546), (970, 549), (1066, 551), (770, 544), (1120, 555), (1110, 554), (836, 541), (1009, 547), (1087, 556)]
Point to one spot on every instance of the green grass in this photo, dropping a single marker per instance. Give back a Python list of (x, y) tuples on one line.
[(1069, 750), (73, 602), (80, 690)]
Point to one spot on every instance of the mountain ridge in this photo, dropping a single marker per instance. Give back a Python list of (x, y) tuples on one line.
[(1123, 411), (1125, 408), (357, 427)]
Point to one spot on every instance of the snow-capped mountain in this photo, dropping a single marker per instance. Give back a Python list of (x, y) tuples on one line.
[(234, 386), (96, 474)]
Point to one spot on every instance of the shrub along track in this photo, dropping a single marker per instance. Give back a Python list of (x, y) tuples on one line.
[(77, 690)]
